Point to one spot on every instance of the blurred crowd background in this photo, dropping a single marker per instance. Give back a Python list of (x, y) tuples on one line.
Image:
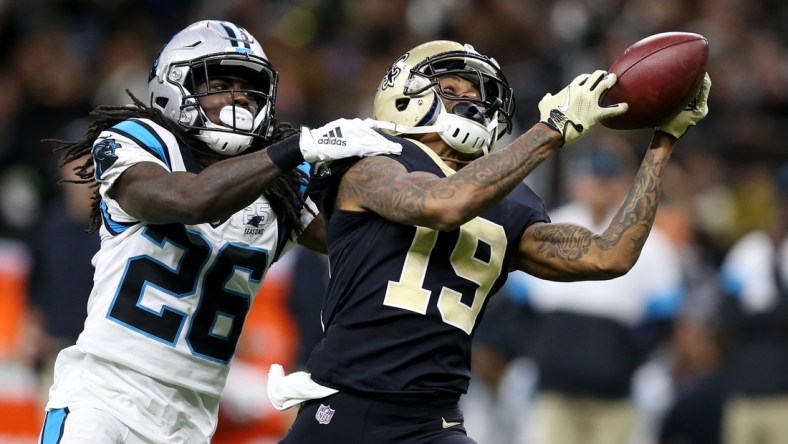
[(59, 59)]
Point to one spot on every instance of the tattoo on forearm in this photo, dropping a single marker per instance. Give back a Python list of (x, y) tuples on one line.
[(632, 223), (501, 171), (485, 180), (563, 241), (365, 185), (636, 216)]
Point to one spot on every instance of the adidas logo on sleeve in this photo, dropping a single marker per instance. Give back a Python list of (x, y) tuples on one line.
[(333, 137)]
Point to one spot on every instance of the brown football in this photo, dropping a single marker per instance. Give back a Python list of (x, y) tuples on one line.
[(657, 76)]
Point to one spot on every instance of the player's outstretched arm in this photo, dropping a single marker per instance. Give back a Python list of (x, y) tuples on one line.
[(152, 194), (567, 252), (383, 186)]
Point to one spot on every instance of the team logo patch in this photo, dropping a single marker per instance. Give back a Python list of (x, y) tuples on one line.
[(104, 155), (324, 414), (255, 219)]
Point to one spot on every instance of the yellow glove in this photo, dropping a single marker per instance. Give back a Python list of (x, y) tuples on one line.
[(692, 114), (576, 108)]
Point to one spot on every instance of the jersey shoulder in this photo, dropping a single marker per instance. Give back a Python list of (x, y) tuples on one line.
[(325, 175), (524, 202)]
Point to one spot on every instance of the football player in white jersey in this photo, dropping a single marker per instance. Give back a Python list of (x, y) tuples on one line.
[(198, 192)]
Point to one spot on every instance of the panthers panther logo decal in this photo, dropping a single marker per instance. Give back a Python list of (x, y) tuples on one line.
[(104, 155)]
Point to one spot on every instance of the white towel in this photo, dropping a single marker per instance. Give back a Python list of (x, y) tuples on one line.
[(286, 391)]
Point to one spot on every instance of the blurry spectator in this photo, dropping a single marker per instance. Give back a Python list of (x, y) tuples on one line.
[(590, 337), (695, 413), (498, 404), (755, 276), (62, 275), (54, 86), (692, 362)]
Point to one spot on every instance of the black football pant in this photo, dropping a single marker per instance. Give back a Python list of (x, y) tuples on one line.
[(348, 419)]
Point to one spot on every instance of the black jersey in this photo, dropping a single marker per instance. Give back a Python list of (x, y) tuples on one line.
[(403, 301)]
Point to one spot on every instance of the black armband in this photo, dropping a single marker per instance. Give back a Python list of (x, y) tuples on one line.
[(286, 154)]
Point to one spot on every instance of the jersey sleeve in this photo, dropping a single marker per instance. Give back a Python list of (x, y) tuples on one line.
[(126, 144), (528, 205)]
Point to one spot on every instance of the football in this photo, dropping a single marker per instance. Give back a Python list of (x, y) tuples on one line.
[(657, 76)]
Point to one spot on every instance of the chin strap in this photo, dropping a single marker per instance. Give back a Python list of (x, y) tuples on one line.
[(402, 129), (458, 161)]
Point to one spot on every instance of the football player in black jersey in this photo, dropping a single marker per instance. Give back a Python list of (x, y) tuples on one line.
[(418, 242)]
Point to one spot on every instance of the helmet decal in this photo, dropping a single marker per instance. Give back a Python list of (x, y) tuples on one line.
[(393, 72)]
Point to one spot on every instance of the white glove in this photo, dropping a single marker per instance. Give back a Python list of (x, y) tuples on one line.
[(576, 108), (286, 391), (692, 114), (344, 138)]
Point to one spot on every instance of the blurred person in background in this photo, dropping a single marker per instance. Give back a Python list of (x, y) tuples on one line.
[(418, 242), (62, 274), (588, 338), (197, 193), (52, 89), (755, 279)]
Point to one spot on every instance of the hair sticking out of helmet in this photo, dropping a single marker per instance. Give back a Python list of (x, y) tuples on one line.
[(208, 50), (408, 100)]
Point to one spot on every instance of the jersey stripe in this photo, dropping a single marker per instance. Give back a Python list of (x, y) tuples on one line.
[(305, 167), (112, 226), (144, 136), (234, 38), (54, 423)]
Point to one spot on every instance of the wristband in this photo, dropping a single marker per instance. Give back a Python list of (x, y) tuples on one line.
[(661, 131), (286, 154)]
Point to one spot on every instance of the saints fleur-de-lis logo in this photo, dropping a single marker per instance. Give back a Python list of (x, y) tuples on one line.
[(393, 72)]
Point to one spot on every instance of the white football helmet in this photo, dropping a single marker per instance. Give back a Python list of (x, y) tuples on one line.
[(202, 50), (408, 98)]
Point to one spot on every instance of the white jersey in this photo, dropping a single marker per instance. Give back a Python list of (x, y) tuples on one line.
[(169, 301), (748, 271)]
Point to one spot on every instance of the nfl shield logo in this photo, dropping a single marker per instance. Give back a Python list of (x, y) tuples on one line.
[(324, 414)]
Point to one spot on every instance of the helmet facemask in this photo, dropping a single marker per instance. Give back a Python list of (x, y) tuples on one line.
[(237, 127), (200, 54)]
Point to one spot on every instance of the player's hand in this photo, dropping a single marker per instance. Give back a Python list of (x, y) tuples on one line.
[(691, 115), (344, 138), (576, 108)]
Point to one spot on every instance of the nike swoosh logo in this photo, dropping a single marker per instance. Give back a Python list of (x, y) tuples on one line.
[(219, 223), (565, 107), (446, 425)]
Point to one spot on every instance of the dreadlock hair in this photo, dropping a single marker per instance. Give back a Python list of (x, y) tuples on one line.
[(283, 193)]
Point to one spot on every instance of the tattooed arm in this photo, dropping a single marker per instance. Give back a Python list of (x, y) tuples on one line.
[(383, 186), (567, 252)]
